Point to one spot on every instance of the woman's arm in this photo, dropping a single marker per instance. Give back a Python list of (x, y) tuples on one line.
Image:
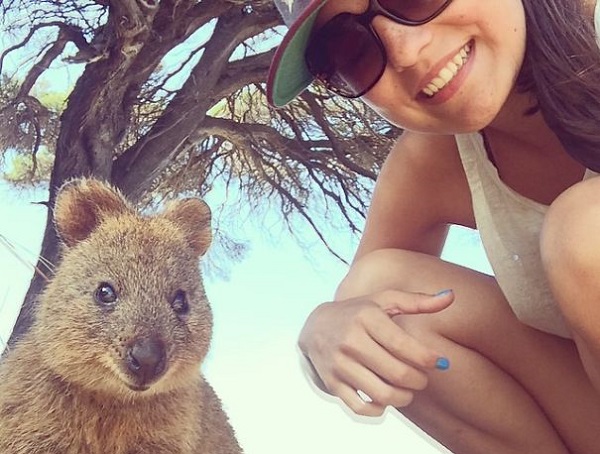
[(421, 189), (352, 342)]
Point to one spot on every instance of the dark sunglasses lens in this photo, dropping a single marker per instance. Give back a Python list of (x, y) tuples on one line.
[(414, 10), (345, 56)]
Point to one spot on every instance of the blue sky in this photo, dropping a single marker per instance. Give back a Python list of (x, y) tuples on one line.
[(254, 363)]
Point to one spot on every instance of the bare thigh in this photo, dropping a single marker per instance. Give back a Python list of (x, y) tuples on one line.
[(510, 387)]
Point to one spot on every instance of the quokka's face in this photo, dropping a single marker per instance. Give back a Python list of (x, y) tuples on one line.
[(128, 308)]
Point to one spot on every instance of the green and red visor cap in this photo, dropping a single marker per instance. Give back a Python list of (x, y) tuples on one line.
[(289, 75)]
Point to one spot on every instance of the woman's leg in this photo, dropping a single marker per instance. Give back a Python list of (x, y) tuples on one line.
[(510, 388), (571, 254)]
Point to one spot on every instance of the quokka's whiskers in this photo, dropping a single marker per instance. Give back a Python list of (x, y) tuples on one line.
[(3, 342), (48, 264), (19, 253)]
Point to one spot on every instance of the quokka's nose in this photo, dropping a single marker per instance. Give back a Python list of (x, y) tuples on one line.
[(146, 358)]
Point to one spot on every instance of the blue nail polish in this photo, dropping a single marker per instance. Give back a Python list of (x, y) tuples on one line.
[(442, 364), (443, 292)]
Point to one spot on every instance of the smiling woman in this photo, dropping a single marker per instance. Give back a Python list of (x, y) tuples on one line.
[(499, 101)]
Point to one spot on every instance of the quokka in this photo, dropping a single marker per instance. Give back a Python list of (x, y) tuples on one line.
[(112, 362)]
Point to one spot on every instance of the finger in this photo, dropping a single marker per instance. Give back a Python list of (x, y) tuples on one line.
[(394, 302), (360, 406), (387, 334), (408, 349), (393, 371), (357, 400), (370, 353), (346, 371), (362, 379)]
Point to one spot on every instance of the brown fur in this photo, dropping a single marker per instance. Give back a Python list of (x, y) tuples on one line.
[(67, 388)]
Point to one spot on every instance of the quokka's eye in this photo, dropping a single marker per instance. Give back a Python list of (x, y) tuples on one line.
[(179, 303), (105, 294)]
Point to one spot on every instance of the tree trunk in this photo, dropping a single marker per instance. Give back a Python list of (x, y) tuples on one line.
[(84, 147)]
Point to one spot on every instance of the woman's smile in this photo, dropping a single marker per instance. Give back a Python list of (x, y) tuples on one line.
[(450, 69)]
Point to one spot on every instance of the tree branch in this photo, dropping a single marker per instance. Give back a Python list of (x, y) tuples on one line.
[(27, 38), (143, 162), (243, 72)]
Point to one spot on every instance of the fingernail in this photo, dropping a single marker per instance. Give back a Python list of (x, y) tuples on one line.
[(444, 292), (442, 363)]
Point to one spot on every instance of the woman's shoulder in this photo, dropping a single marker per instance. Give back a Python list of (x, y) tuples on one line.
[(420, 190), (426, 170), (427, 155)]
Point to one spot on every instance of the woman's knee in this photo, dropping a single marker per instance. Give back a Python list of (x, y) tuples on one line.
[(570, 250), (476, 295), (385, 269)]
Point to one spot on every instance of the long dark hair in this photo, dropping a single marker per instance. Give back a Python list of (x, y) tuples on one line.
[(562, 69)]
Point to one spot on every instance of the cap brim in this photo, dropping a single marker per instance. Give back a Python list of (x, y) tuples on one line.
[(288, 75)]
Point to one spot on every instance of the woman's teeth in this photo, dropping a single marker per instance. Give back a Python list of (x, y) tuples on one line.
[(448, 72)]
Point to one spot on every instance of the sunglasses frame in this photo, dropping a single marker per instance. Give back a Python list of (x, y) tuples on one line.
[(366, 20)]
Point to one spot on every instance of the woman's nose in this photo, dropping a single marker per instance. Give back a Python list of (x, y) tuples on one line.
[(403, 43)]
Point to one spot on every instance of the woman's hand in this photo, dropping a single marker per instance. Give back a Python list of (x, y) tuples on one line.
[(357, 349)]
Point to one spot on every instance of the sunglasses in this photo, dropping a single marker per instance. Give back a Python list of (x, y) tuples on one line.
[(348, 57)]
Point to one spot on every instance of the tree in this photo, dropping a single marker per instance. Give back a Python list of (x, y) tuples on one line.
[(170, 100)]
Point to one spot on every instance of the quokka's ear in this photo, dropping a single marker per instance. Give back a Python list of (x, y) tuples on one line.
[(193, 217), (82, 204)]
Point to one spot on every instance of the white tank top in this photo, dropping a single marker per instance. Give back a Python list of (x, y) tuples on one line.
[(509, 225)]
